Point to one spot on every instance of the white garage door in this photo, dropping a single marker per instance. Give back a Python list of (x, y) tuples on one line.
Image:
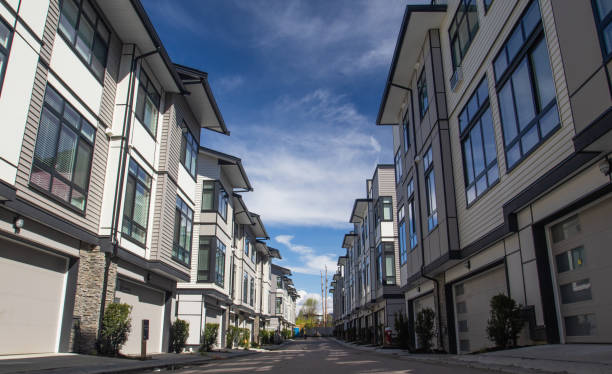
[(419, 304), (472, 308), (146, 304), (32, 293)]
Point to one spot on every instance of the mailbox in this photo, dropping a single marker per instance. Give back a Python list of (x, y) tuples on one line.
[(145, 329)]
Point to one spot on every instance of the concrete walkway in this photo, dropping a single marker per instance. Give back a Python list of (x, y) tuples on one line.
[(68, 363), (554, 358)]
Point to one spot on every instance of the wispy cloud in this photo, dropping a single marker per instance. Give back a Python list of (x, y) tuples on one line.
[(311, 262), (227, 83)]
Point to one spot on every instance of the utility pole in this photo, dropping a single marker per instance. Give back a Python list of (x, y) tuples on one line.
[(325, 319), (322, 305)]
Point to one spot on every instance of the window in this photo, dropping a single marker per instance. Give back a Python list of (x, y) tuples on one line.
[(6, 36), (462, 30), (487, 4), (147, 103), (245, 288), (220, 264), (565, 229), (570, 260), (223, 200), (574, 292), (279, 282), (136, 207), (527, 93), (580, 325), (398, 167), (389, 253), (63, 152), (406, 130), (232, 275), (183, 223), (279, 305), (247, 247), (204, 258), (402, 237), (189, 151), (412, 236), (252, 290), (384, 209), (603, 10), (379, 264), (430, 189), (478, 144), (253, 254), (208, 196), (423, 99), (85, 31)]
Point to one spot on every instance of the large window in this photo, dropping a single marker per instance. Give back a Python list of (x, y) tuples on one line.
[(183, 223), (384, 209), (208, 196), (402, 236), (398, 166), (136, 208), (189, 151), (147, 103), (423, 98), (412, 235), (526, 92), (279, 282), (85, 31), (603, 9), (223, 201), (252, 291), (253, 253), (245, 288), (63, 152), (379, 264), (220, 264), (462, 30), (6, 36), (387, 264), (279, 305), (204, 258), (478, 144), (430, 189), (406, 131)]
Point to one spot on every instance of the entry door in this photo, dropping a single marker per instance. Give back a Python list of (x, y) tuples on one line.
[(582, 260)]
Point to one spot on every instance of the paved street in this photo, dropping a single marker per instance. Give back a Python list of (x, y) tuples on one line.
[(321, 356)]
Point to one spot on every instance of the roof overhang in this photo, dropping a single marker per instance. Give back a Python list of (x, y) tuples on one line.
[(258, 227), (274, 253), (262, 247), (201, 100), (418, 20), (231, 166), (347, 242), (279, 270), (337, 276), (360, 209), (241, 213), (342, 260), (131, 22)]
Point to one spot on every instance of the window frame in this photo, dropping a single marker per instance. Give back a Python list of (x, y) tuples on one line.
[(402, 237), (463, 7), (51, 170), (399, 172), (220, 248), (6, 51), (432, 214), (137, 181), (245, 287), (207, 272), (406, 131), (222, 194), (410, 215), (176, 249), (423, 94), (601, 25), (138, 115), (211, 183), (188, 140), (387, 250)]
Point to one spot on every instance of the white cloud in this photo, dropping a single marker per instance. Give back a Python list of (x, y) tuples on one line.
[(311, 262), (228, 83)]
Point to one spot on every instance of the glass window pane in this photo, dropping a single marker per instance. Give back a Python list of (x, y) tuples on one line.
[(580, 325), (565, 229), (464, 36), (141, 206), (72, 117), (83, 162), (500, 64), (2, 60), (463, 120), (46, 140), (389, 266), (471, 194), (5, 34), (545, 86), (130, 189), (477, 151), (66, 153), (88, 10), (60, 189), (472, 15), (472, 107), (140, 99), (40, 178), (549, 121), (513, 155), (150, 115), (493, 174), (515, 43), (570, 260), (99, 56), (481, 185), (68, 19), (53, 99), (432, 192), (467, 154), (456, 52), (530, 139), (77, 200), (488, 137), (483, 91), (531, 18), (506, 105), (85, 39), (88, 131), (521, 83), (576, 291)]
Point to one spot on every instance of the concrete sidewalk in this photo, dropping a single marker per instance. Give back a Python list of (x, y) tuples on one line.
[(68, 363), (554, 358)]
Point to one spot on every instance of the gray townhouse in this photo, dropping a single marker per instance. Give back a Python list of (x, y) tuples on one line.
[(500, 112), (282, 299)]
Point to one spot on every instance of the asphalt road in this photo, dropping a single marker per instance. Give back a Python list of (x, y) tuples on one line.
[(321, 356)]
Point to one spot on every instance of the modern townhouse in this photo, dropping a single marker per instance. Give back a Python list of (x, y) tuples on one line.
[(283, 298), (371, 266), (501, 124)]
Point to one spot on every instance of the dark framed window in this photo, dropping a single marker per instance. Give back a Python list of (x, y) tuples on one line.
[(86, 33), (430, 189), (252, 291), (204, 250), (388, 264), (208, 196), (136, 204), (412, 235), (398, 166), (253, 253), (406, 131), (6, 39), (147, 103), (189, 151), (223, 201), (384, 207), (183, 225), (379, 264), (279, 305), (526, 91), (603, 18), (63, 152), (402, 236), (220, 264), (279, 282), (232, 275), (245, 288), (422, 90), (247, 247), (487, 4), (478, 144), (462, 30)]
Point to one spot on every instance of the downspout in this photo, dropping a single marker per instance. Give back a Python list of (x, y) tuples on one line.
[(437, 283)]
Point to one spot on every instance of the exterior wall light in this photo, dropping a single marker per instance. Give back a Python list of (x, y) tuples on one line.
[(18, 224), (604, 166)]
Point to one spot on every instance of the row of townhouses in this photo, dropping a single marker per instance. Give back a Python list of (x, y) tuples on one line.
[(502, 136), (106, 194)]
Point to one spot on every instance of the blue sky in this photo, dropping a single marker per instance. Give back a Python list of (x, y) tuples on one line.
[(299, 84)]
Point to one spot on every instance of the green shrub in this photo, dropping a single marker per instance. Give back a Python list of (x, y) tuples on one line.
[(116, 325), (211, 331), (265, 336), (179, 332), (505, 323), (286, 334), (245, 337), (402, 326), (424, 328), (233, 336)]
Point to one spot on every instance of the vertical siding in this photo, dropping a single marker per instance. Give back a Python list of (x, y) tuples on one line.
[(386, 187)]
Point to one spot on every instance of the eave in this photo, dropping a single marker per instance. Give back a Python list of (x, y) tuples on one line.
[(258, 227), (347, 242), (360, 208), (241, 213), (232, 166)]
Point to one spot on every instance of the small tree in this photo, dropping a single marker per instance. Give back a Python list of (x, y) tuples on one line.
[(179, 332), (211, 331), (116, 325), (424, 328), (233, 334), (402, 326), (505, 323), (245, 338)]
